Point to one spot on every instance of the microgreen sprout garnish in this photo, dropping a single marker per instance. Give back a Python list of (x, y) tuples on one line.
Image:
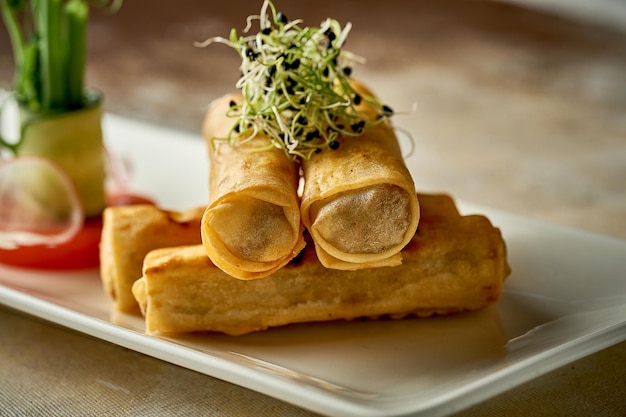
[(296, 85)]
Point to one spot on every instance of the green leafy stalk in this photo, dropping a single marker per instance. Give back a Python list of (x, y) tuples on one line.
[(49, 46), (60, 120), (52, 53), (10, 10), (76, 15)]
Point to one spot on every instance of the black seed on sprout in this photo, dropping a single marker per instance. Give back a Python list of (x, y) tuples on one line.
[(281, 18), (347, 71), (237, 129), (302, 120), (357, 99), (333, 144), (330, 34), (290, 85), (326, 72), (334, 61), (271, 70), (358, 127), (311, 135), (266, 31), (388, 111), (302, 100), (251, 54), (232, 103), (340, 126)]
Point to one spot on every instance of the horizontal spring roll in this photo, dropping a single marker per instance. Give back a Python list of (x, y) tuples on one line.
[(359, 201), (252, 225), (453, 263), (128, 234)]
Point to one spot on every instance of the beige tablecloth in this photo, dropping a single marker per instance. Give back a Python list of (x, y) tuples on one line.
[(516, 109)]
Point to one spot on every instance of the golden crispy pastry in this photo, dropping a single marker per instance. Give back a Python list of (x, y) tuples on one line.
[(128, 234), (453, 263), (359, 201), (252, 226)]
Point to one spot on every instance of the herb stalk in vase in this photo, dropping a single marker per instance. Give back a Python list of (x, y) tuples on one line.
[(60, 125), (60, 120)]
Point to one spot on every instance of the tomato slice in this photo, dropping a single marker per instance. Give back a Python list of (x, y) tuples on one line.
[(80, 252), (126, 199)]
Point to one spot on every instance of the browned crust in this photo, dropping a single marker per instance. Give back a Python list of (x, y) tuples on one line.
[(454, 263), (128, 234)]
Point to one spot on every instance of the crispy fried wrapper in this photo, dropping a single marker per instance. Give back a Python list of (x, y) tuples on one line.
[(252, 226), (128, 234), (453, 263), (359, 202)]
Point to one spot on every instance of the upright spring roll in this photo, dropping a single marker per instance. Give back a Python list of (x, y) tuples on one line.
[(359, 201), (251, 226)]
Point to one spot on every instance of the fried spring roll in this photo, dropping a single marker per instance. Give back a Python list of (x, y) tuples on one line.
[(252, 226), (128, 234), (359, 201), (453, 263)]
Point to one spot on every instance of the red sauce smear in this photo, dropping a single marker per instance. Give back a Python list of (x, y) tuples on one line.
[(80, 252)]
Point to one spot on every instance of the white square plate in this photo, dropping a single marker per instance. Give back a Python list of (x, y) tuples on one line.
[(565, 299)]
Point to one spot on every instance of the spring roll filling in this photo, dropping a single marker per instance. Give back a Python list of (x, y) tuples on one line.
[(252, 229), (364, 221)]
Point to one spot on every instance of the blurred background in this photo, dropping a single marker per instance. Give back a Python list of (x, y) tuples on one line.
[(509, 105)]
